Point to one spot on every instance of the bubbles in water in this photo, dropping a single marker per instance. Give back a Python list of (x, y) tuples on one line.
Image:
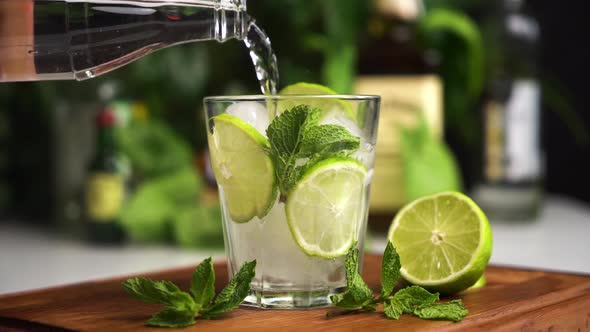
[(271, 243), (253, 113)]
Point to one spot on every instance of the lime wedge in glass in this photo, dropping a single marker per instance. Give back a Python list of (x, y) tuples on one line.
[(325, 208), (444, 242), (328, 106), (303, 88), (242, 167)]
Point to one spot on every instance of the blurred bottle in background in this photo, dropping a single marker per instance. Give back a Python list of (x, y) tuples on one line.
[(105, 184), (392, 64), (512, 168), (4, 188)]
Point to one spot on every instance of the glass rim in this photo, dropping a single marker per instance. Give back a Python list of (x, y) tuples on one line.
[(290, 97)]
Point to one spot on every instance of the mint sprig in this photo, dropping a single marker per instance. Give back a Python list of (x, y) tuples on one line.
[(181, 308), (298, 141), (410, 300)]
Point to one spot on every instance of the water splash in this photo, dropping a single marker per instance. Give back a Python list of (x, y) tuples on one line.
[(263, 58)]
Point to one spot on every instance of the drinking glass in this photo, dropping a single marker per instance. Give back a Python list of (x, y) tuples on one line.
[(300, 236)]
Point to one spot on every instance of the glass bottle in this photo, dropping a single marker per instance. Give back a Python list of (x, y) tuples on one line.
[(510, 185), (72, 39), (393, 65), (105, 185)]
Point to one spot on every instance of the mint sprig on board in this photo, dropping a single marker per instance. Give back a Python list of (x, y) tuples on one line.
[(182, 308), (409, 300)]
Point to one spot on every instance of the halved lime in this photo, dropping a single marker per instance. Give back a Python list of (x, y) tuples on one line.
[(329, 106), (242, 167), (326, 207), (444, 242)]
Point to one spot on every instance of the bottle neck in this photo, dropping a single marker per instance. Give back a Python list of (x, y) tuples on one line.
[(106, 140), (512, 36), (230, 24), (88, 39), (391, 45)]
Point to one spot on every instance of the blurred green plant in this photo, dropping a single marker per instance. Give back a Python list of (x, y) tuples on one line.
[(459, 43), (153, 148), (319, 43), (428, 164), (199, 227), (167, 204), (344, 20)]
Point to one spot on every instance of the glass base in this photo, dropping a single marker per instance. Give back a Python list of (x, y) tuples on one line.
[(267, 299), (509, 203)]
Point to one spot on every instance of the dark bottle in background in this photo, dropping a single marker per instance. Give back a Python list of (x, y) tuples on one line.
[(105, 185), (510, 186), (393, 64)]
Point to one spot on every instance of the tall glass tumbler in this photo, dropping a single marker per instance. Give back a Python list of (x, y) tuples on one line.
[(293, 174)]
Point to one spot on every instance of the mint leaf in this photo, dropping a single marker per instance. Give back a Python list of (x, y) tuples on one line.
[(203, 284), (360, 291), (410, 297), (162, 292), (392, 309), (234, 293), (297, 142), (428, 163), (351, 264), (182, 307), (345, 301), (286, 131), (351, 301), (285, 135), (452, 310), (390, 270), (328, 139), (172, 317), (356, 285), (358, 294)]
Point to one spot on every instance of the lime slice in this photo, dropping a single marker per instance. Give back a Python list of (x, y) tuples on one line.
[(303, 88), (242, 167), (444, 242), (328, 106), (326, 207)]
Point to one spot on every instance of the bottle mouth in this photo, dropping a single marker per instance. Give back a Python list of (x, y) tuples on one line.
[(239, 5)]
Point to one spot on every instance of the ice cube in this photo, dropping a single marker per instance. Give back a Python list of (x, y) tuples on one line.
[(255, 114), (338, 117), (278, 257), (365, 154)]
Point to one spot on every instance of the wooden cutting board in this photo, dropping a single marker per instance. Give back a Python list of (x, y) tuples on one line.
[(513, 300)]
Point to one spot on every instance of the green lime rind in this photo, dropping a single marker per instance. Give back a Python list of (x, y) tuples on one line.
[(479, 283), (242, 167), (304, 88), (327, 106), (414, 242), (244, 126), (327, 202)]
